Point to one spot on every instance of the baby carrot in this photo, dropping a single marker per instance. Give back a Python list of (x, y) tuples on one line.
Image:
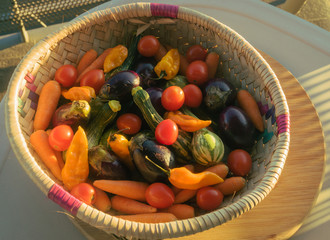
[(212, 62), (96, 64), (161, 53), (47, 103), (126, 188), (220, 169), (250, 106), (180, 211), (59, 158), (149, 217), (184, 195), (231, 185), (130, 206), (39, 142), (86, 60), (102, 201)]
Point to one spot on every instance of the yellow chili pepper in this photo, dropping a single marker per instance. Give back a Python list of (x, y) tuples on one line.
[(186, 122), (119, 145), (115, 58), (79, 93), (76, 168), (169, 66)]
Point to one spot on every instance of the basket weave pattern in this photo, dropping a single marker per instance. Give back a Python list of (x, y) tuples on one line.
[(239, 62)]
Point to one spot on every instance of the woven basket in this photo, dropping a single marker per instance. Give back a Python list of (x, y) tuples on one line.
[(179, 27)]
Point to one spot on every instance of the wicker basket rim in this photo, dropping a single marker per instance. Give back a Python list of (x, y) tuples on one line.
[(45, 183)]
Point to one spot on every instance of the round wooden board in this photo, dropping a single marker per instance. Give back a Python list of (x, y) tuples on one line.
[(282, 212)]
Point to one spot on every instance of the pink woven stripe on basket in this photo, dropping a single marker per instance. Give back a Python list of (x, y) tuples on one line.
[(29, 77), (283, 123), (164, 10), (64, 199)]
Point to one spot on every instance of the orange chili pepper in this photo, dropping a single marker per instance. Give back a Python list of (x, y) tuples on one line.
[(187, 123), (76, 168), (115, 58), (79, 93), (119, 145), (183, 178)]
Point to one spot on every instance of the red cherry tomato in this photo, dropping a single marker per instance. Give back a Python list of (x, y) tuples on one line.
[(66, 75), (60, 137), (193, 95), (196, 52), (166, 132), (93, 78), (131, 121), (159, 195), (148, 46), (197, 72), (239, 162), (172, 98), (209, 198), (84, 192)]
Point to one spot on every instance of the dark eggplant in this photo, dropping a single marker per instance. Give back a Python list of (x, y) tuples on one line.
[(119, 86), (155, 95), (218, 94), (145, 68), (105, 164), (72, 114), (236, 129), (156, 153)]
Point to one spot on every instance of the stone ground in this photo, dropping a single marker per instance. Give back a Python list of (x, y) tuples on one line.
[(9, 58)]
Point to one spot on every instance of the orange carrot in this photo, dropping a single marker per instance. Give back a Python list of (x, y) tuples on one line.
[(130, 206), (250, 106), (96, 64), (180, 211), (220, 169), (39, 142), (86, 60), (184, 195), (183, 62), (161, 53), (126, 188), (149, 217), (59, 158), (47, 103), (102, 201), (231, 185), (212, 62)]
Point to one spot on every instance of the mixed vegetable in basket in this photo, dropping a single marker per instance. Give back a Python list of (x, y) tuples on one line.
[(145, 132)]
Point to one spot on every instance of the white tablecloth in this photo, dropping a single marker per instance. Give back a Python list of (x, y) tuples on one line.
[(303, 48)]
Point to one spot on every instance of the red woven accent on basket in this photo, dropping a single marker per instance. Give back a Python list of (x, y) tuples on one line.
[(64, 199), (164, 10), (29, 77), (283, 123)]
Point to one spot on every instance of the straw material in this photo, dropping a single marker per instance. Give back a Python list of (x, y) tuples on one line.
[(179, 27)]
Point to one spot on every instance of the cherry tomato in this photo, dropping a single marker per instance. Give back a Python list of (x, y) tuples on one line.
[(239, 162), (131, 121), (196, 52), (193, 95), (93, 78), (172, 98), (159, 195), (60, 137), (148, 46), (166, 132), (197, 72), (84, 192), (209, 198), (66, 75)]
